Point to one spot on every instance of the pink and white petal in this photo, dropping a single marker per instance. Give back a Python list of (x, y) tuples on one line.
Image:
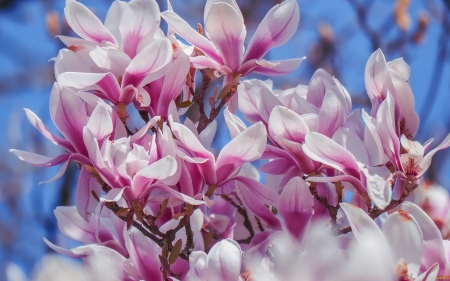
[(405, 101), (182, 28), (295, 206), (202, 62), (372, 141), (246, 147), (160, 170), (376, 77), (252, 202), (65, 112), (324, 150), (206, 137), (85, 201), (86, 24), (151, 59), (248, 93), (139, 17), (144, 254), (433, 245), (224, 261), (100, 122), (319, 83), (400, 67), (351, 141), (197, 266), (276, 167), (75, 227), (278, 67), (193, 145), (354, 123), (378, 183), (66, 252), (426, 162), (225, 27), (356, 183), (275, 29), (110, 60), (266, 103), (234, 124), (105, 83), (405, 239), (112, 21), (431, 274), (209, 4), (39, 160), (265, 194), (287, 124), (362, 225), (40, 126), (386, 124), (332, 113), (174, 80)]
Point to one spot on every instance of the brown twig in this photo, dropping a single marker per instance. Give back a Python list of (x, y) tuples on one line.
[(247, 223)]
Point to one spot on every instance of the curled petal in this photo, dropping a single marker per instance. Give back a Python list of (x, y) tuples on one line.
[(224, 261), (275, 29), (86, 24)]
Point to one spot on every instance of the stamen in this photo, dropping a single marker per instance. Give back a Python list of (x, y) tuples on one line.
[(411, 168), (200, 28), (405, 131)]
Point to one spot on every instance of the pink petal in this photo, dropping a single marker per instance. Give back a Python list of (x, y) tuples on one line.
[(324, 150), (275, 29), (206, 137), (319, 83), (39, 125), (246, 147), (182, 28), (332, 113), (279, 67), (193, 145), (65, 112), (210, 3), (433, 245), (197, 266), (225, 27), (357, 184), (100, 122), (105, 83), (85, 201), (86, 24), (426, 162), (202, 62), (276, 167), (174, 80), (252, 202), (144, 255), (372, 141), (376, 77), (295, 206), (354, 123), (139, 17), (151, 59), (248, 92), (405, 239), (287, 124), (112, 21), (362, 225), (39, 160), (265, 194), (110, 60), (430, 275), (224, 261), (234, 124), (75, 227), (350, 141)]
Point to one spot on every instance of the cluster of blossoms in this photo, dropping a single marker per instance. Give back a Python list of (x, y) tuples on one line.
[(156, 204)]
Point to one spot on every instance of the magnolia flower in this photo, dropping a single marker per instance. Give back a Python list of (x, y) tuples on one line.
[(222, 263), (224, 25)]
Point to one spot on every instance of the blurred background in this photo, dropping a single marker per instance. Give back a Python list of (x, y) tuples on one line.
[(338, 36)]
